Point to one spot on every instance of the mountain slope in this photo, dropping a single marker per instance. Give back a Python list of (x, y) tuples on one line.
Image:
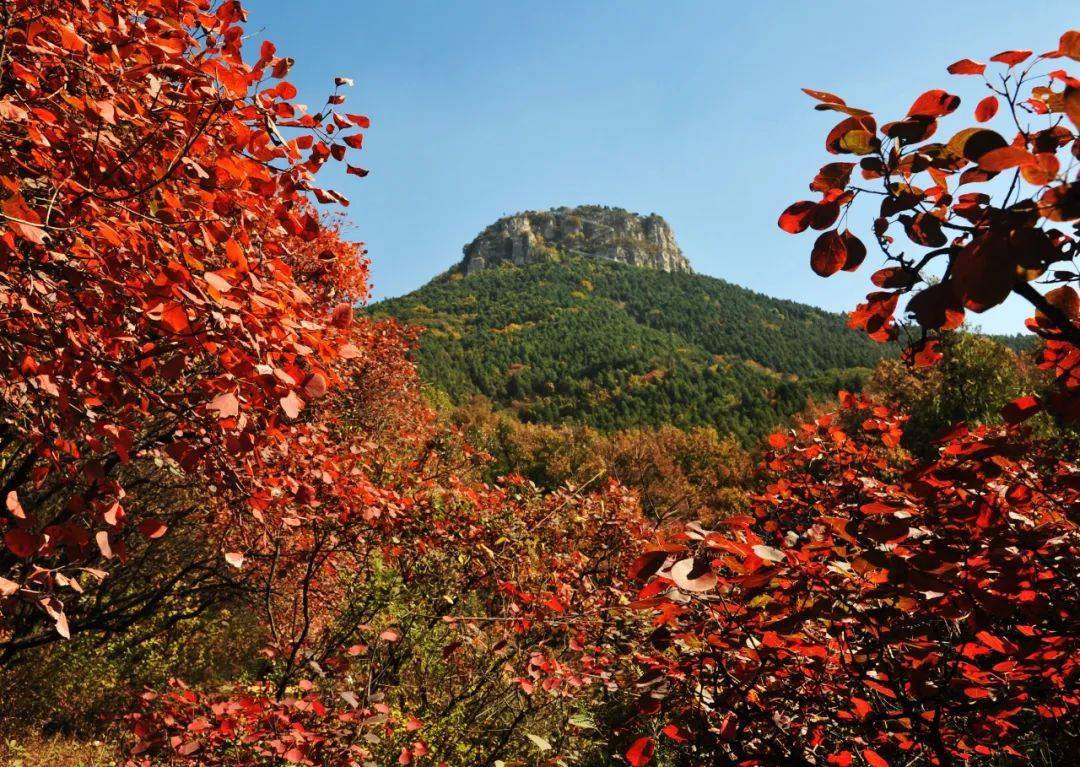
[(614, 346)]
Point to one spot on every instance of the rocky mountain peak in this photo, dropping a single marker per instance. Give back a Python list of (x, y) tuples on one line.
[(593, 231)]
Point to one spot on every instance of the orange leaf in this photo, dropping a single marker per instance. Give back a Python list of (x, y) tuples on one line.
[(174, 317), (966, 67), (934, 103), (986, 109), (1012, 58), (1006, 157)]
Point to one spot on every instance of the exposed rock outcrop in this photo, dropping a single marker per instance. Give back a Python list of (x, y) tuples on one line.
[(590, 230)]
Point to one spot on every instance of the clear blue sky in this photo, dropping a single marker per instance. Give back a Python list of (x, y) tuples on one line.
[(687, 109)]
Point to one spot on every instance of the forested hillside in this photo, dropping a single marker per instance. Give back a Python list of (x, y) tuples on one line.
[(614, 346)]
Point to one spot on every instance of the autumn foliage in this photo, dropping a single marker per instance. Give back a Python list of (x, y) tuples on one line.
[(981, 215), (169, 290), (194, 423), (872, 607)]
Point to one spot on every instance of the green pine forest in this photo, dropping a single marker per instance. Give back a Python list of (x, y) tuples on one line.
[(614, 346)]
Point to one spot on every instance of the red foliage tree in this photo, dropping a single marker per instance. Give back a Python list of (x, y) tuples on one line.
[(872, 608), (965, 250), (175, 304), (875, 609), (169, 290)]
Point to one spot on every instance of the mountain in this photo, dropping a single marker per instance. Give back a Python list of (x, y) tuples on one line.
[(593, 231), (572, 337)]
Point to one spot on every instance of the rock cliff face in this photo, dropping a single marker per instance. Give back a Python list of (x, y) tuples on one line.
[(590, 230)]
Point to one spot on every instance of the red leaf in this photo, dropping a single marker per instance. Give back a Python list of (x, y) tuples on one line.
[(217, 282), (62, 626), (673, 732), (356, 140), (834, 175), (641, 752), (825, 214), (1072, 104), (934, 103), (21, 543), (646, 565), (991, 641), (226, 405), (356, 170), (966, 67), (102, 539), (1012, 58), (986, 109), (824, 96), (779, 441), (13, 505), (1070, 45), (796, 218), (862, 708), (152, 528), (855, 135), (873, 759), (767, 553), (1006, 157), (174, 317), (855, 251), (342, 315), (235, 254), (282, 67), (691, 575), (315, 386), (1021, 409), (23, 219), (291, 404), (937, 307), (894, 277), (829, 254)]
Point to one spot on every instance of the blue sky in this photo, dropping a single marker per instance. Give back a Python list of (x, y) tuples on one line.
[(687, 109)]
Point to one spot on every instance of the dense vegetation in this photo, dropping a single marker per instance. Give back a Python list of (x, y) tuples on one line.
[(234, 533), (615, 346)]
